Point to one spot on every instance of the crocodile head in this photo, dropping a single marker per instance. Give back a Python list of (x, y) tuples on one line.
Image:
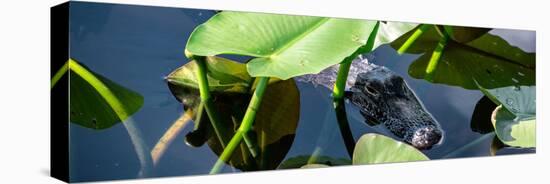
[(384, 97)]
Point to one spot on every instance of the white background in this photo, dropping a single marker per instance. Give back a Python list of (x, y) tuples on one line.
[(24, 91)]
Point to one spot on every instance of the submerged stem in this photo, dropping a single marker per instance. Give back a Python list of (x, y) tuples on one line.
[(245, 126), (417, 33), (169, 136), (140, 146), (345, 130), (204, 90)]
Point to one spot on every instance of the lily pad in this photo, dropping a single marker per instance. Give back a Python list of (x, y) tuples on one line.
[(514, 118), (497, 63), (389, 31), (90, 109), (519, 100), (285, 46), (514, 131), (309, 166), (302, 160), (375, 148), (276, 120), (465, 34), (223, 75)]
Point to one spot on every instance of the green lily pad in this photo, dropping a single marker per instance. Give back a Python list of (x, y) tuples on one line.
[(223, 75), (465, 34), (276, 119), (514, 118), (309, 166), (497, 63), (375, 148), (90, 109), (514, 131), (389, 31), (302, 160), (519, 100), (285, 46)]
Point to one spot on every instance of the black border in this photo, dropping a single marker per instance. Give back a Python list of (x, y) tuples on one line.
[(59, 96)]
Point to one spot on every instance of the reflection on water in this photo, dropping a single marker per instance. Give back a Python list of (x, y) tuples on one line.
[(138, 46)]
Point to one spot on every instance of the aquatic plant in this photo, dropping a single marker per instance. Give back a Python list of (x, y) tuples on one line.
[(449, 54), (98, 103)]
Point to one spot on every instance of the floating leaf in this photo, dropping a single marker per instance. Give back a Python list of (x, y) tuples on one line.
[(276, 119), (285, 46), (466, 34), (519, 100), (309, 166), (514, 131), (223, 75), (514, 118), (90, 109), (302, 160), (375, 148), (497, 63)]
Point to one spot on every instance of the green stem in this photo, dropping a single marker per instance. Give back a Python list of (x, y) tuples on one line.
[(436, 56), (343, 70), (141, 148), (251, 144), (245, 126), (413, 38), (205, 96), (204, 89), (59, 74), (343, 123), (341, 78), (216, 122)]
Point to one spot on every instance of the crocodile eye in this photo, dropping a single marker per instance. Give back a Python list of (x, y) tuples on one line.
[(371, 91)]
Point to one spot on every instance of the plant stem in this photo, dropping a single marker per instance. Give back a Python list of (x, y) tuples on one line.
[(345, 130), (245, 126), (59, 74), (436, 55), (141, 148), (417, 33), (252, 146), (343, 70), (204, 89), (341, 78), (205, 96), (169, 136)]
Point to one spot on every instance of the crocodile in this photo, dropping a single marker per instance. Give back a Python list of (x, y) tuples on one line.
[(383, 97)]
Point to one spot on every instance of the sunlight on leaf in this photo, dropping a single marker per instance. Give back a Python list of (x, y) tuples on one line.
[(285, 46), (375, 148), (89, 108)]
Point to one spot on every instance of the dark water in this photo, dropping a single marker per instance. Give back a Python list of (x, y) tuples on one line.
[(138, 46)]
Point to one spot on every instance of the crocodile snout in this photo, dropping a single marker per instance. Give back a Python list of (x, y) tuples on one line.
[(424, 137)]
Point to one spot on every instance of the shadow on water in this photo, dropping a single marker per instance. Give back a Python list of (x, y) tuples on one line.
[(138, 46)]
